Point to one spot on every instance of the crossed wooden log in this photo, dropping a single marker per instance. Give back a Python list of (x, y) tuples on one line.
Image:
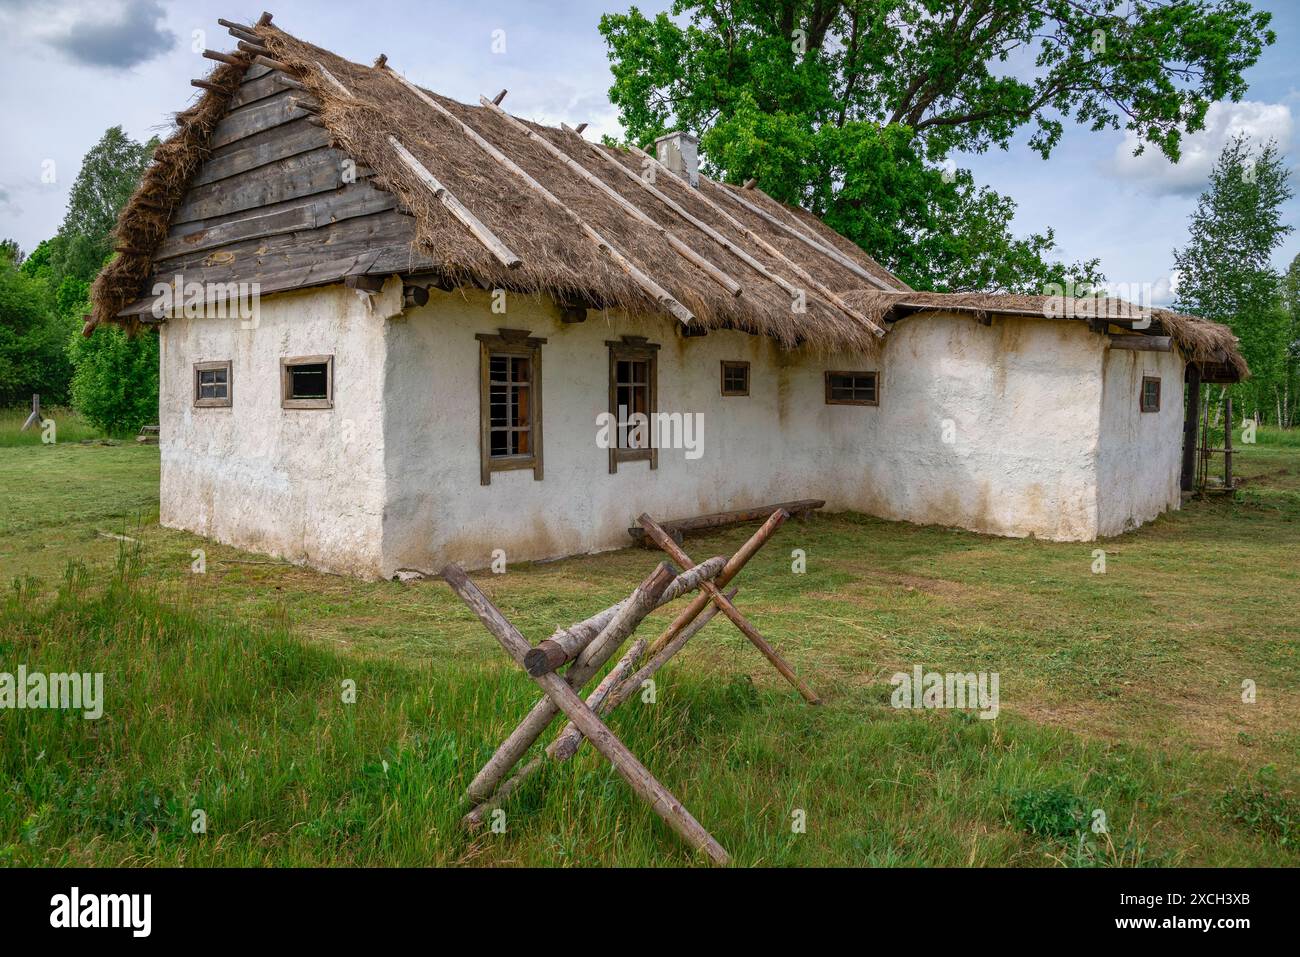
[(586, 647)]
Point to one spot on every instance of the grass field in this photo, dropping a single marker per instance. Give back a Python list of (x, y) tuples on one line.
[(1120, 692)]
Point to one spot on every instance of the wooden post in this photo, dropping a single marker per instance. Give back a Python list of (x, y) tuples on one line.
[(569, 740), (664, 541), (732, 568), (622, 684), (1191, 417), (550, 655), (537, 720), (35, 417), (567, 700), (1227, 442)]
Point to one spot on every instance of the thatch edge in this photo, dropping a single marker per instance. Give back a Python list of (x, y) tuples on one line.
[(143, 223)]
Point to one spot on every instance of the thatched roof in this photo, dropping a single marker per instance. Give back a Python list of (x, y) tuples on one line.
[(1199, 340), (765, 247)]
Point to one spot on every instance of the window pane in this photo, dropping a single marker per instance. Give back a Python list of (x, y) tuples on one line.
[(510, 405), (309, 381)]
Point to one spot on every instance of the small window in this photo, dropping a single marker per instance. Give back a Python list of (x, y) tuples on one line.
[(735, 378), (510, 403), (212, 385), (1150, 399), (307, 382), (633, 391), (852, 388)]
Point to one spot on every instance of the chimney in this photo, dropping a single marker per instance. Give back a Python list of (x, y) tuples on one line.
[(680, 152)]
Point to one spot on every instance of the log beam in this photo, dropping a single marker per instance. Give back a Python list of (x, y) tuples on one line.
[(664, 541), (566, 699)]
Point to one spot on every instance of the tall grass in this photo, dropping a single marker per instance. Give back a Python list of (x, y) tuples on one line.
[(69, 426), (226, 745)]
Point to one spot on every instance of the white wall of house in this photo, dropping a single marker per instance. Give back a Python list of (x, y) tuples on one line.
[(1019, 401), (303, 484), (1003, 429), (1140, 459)]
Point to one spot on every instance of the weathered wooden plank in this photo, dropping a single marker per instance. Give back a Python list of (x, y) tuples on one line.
[(359, 200), (1143, 343), (738, 517), (253, 91), (280, 279), (244, 122), (346, 237), (304, 175), (280, 142), (256, 71)]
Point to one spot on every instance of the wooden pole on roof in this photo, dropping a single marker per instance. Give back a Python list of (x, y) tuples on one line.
[(824, 248), (500, 250), (699, 224), (680, 247), (822, 290), (225, 58), (662, 296)]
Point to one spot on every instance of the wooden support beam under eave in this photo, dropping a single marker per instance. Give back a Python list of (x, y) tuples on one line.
[(1143, 343)]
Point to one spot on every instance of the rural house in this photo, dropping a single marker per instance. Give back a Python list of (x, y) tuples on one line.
[(392, 326)]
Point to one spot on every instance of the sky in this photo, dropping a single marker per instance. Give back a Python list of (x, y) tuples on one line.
[(69, 69)]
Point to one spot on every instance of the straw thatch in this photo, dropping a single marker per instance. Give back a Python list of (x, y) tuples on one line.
[(1199, 340), (143, 221), (558, 259)]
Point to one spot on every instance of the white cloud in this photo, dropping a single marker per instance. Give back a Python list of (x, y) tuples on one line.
[(1260, 121), (117, 34)]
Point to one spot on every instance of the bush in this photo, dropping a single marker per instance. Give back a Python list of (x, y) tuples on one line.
[(32, 337), (116, 383)]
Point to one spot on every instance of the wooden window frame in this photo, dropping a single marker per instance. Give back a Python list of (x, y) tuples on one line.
[(875, 375), (509, 342), (1142, 394), (734, 364), (289, 362), (633, 349), (201, 403)]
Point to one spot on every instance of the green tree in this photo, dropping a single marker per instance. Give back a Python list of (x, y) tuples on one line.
[(115, 385), (1288, 392), (109, 174), (826, 101), (32, 340), (1225, 271)]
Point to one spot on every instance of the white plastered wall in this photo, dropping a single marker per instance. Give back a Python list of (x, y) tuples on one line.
[(302, 484), (1140, 460), (1019, 400), (1007, 429)]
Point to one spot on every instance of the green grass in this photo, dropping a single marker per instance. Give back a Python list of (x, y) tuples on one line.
[(1120, 693), (69, 426)]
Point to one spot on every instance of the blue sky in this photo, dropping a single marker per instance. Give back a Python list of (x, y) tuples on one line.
[(70, 69)]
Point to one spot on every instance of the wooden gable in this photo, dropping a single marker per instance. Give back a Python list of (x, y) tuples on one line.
[(276, 204)]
